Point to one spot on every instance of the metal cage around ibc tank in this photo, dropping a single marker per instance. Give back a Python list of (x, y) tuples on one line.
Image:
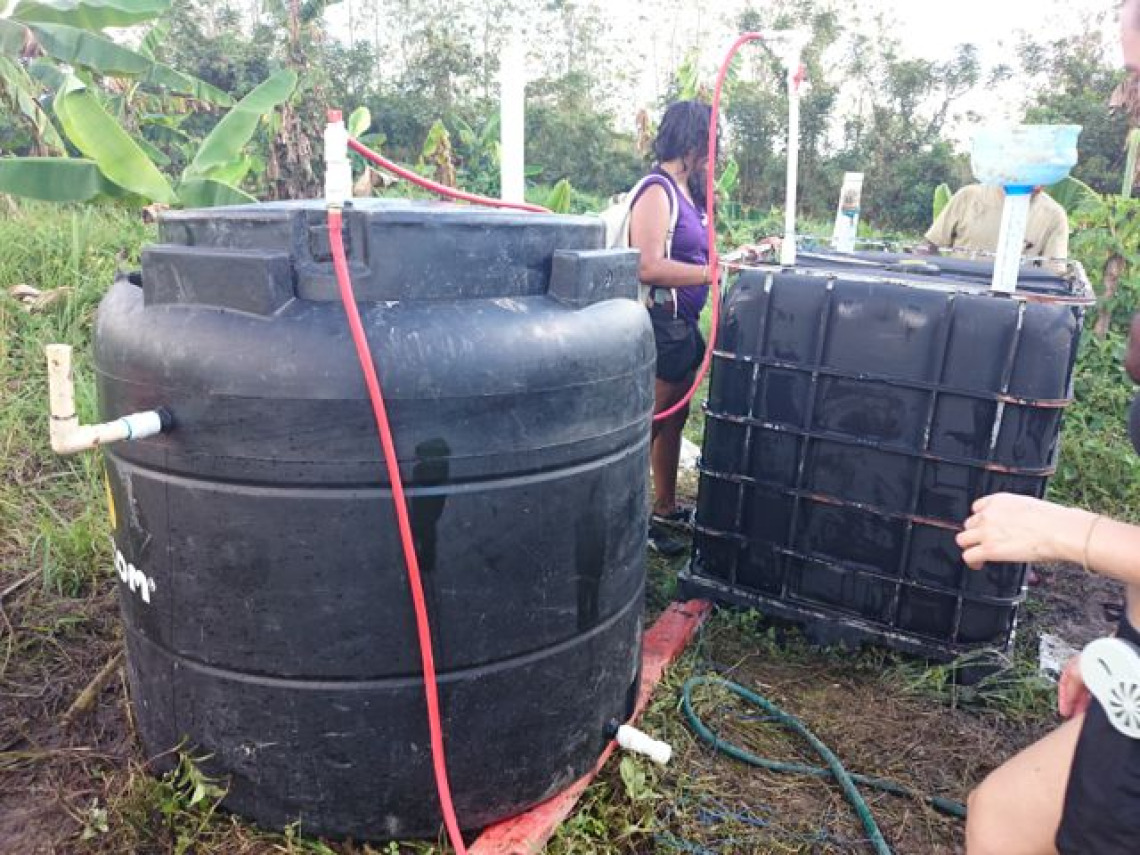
[(858, 406)]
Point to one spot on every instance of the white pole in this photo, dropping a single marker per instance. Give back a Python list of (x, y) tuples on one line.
[(788, 250), (512, 119)]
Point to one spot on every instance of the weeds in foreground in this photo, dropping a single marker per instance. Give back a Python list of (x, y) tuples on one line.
[(50, 509)]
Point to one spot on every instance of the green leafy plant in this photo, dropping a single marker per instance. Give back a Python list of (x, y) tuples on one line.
[(560, 197), (942, 196), (115, 166), (70, 35)]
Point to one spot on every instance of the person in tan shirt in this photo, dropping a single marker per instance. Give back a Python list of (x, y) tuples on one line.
[(972, 221)]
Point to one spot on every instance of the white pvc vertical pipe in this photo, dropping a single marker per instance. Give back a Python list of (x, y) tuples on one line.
[(512, 119), (788, 250), (1011, 238)]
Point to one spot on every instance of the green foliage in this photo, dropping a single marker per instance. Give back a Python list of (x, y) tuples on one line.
[(224, 145), (359, 122), (1098, 468), (53, 179), (177, 810), (942, 196), (570, 137), (89, 14), (1106, 238), (99, 137), (125, 165), (560, 197), (1072, 79), (70, 32), (1075, 196), (52, 510)]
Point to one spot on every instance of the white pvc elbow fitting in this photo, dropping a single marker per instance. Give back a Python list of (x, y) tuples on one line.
[(68, 436)]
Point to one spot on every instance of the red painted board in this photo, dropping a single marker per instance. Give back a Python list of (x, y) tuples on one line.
[(528, 833)]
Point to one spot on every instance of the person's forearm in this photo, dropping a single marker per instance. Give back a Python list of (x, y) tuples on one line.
[(667, 273), (1102, 545)]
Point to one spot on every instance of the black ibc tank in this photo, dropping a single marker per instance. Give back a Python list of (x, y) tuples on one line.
[(857, 407), (268, 619)]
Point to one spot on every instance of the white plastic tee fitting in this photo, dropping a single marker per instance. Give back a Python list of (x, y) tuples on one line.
[(632, 739), (338, 170), (68, 436)]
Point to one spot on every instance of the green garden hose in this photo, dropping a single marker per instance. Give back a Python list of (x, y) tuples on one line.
[(833, 769)]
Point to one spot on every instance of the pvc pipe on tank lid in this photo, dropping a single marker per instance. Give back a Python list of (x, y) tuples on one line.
[(68, 436), (639, 742), (512, 119), (338, 169)]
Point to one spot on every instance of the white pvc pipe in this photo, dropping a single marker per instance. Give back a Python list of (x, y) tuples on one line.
[(1011, 239), (639, 742), (788, 249), (793, 43), (512, 120), (68, 436)]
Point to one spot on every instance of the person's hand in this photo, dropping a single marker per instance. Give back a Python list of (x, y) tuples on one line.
[(752, 253), (1008, 527), (1072, 695)]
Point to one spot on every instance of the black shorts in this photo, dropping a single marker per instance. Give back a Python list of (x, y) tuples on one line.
[(680, 345), (1102, 802)]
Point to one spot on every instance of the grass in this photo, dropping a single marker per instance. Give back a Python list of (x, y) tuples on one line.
[(60, 627), (49, 508)]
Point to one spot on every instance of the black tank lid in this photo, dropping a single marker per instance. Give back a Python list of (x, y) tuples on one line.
[(397, 249)]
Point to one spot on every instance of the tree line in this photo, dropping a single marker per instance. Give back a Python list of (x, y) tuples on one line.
[(428, 77)]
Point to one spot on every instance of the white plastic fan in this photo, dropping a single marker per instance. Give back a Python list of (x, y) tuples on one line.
[(1111, 670)]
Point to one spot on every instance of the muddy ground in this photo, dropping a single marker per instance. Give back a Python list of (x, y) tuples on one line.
[(75, 783)]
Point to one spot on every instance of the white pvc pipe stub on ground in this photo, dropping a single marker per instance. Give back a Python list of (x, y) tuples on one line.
[(639, 742)]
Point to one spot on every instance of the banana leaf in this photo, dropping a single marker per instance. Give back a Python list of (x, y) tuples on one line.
[(12, 37), (359, 122), (100, 138), (98, 53), (204, 193), (53, 179), (1074, 196), (21, 89), (46, 73), (225, 143), (942, 196), (157, 155), (559, 197), (154, 38), (90, 14)]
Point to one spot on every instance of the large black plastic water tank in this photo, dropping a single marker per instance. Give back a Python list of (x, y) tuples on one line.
[(858, 406), (268, 619)]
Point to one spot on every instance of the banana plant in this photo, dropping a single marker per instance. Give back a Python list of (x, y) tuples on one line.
[(70, 33), (942, 196), (115, 166)]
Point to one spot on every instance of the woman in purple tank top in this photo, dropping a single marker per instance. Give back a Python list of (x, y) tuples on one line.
[(678, 275)]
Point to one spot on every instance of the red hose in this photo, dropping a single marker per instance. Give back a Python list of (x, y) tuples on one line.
[(714, 264), (441, 189), (415, 583)]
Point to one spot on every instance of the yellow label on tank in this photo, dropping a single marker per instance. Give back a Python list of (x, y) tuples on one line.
[(111, 514)]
